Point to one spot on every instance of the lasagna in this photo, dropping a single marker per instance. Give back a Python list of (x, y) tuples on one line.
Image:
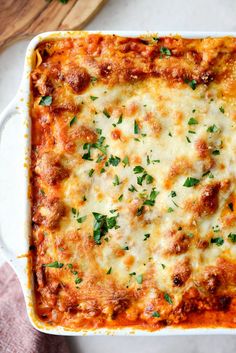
[(133, 181)]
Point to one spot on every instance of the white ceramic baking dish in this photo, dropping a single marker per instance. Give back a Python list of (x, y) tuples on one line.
[(15, 224)]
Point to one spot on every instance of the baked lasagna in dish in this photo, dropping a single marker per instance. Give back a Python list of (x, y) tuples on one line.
[(133, 181)]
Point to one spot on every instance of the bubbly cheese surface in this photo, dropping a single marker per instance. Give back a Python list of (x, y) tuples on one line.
[(133, 181)]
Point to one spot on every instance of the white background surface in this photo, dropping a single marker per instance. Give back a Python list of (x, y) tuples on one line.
[(152, 15)]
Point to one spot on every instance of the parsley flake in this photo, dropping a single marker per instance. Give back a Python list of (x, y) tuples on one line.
[(54, 264), (165, 51), (93, 98), (232, 237), (45, 101), (73, 120), (106, 113), (189, 182), (136, 127), (218, 241), (155, 314), (192, 121), (109, 271), (139, 279), (168, 298)]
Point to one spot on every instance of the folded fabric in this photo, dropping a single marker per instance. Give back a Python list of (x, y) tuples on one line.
[(16, 333)]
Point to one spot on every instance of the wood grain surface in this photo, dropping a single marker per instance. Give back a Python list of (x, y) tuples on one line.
[(22, 18)]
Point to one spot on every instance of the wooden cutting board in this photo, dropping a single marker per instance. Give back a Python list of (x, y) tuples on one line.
[(23, 18)]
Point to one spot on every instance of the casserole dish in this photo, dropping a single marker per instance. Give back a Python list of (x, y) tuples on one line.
[(20, 107)]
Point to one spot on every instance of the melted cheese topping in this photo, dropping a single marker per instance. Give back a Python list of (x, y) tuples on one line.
[(133, 181)]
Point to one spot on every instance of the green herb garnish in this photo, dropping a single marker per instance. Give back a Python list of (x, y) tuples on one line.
[(168, 298), (45, 101), (93, 98), (191, 182), (73, 120), (232, 237), (218, 241), (54, 264), (165, 51), (192, 121), (139, 279)]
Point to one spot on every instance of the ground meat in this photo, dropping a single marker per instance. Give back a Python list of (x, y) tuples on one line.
[(211, 279), (49, 213), (78, 78), (41, 83), (50, 168), (181, 272)]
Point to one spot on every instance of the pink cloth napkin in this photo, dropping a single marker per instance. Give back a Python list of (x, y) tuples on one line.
[(16, 333)]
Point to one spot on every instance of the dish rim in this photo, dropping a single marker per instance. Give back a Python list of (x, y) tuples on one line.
[(19, 105)]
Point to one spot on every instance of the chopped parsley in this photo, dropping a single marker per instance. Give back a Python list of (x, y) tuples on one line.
[(165, 51), (231, 206), (140, 211), (132, 188), (120, 197), (102, 224), (173, 193), (91, 172), (87, 155), (93, 98), (78, 280), (216, 228), (139, 279), (170, 209), (106, 113), (168, 298), (191, 182), (125, 247), (152, 198), (232, 237), (81, 219), (109, 271), (221, 109), (192, 121), (120, 119), (136, 127), (190, 235), (93, 79), (45, 101), (149, 179), (99, 145), (138, 169), (146, 236), (191, 83), (116, 181), (216, 152), (54, 264), (73, 120), (155, 314), (209, 173), (212, 128), (218, 241), (188, 139), (125, 161), (114, 160)]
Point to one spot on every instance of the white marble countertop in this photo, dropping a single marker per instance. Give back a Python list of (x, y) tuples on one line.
[(152, 15)]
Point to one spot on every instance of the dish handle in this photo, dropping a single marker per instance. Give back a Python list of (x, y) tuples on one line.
[(8, 113)]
